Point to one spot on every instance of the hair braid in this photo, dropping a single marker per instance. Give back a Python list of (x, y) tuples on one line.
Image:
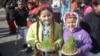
[(37, 31), (52, 30)]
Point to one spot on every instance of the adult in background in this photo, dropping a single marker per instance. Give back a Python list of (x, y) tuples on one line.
[(65, 8), (20, 20), (10, 8), (91, 23)]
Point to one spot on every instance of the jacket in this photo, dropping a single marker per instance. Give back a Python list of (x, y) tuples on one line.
[(82, 38), (91, 23), (20, 17)]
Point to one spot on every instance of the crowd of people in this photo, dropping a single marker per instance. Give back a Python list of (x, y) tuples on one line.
[(35, 21)]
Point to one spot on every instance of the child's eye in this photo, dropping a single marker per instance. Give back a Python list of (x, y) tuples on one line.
[(68, 22), (44, 16), (74, 21), (49, 15)]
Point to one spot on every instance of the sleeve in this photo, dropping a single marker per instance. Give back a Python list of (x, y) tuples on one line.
[(15, 14), (32, 15), (62, 1), (63, 35), (88, 10), (30, 38), (35, 11), (87, 42), (59, 36), (84, 24)]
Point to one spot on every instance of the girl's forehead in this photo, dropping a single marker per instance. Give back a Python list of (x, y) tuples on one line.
[(45, 11), (70, 15), (71, 19), (20, 3)]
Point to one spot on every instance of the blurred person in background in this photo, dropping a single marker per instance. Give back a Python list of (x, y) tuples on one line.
[(9, 5), (31, 16), (65, 8), (74, 5), (87, 7), (91, 23), (20, 20)]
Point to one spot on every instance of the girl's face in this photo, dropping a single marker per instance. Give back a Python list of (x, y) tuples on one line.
[(46, 16), (30, 6), (70, 23)]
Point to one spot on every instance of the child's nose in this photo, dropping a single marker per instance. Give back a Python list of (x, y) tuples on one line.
[(47, 17)]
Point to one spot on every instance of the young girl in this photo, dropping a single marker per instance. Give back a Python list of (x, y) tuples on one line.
[(44, 28), (82, 38), (33, 9)]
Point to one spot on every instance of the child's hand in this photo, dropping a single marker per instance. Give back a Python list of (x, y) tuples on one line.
[(38, 45), (27, 19), (56, 46), (79, 51)]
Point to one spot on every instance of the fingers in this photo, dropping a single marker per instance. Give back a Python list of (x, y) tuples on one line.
[(38, 45), (79, 51)]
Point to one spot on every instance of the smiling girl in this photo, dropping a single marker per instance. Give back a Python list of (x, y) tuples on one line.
[(44, 28), (82, 38)]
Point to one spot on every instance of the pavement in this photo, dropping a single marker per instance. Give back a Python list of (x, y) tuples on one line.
[(2, 14), (7, 42)]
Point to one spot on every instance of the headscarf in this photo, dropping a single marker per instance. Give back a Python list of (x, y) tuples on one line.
[(72, 14)]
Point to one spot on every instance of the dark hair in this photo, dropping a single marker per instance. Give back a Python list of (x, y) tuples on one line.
[(73, 1), (88, 2), (52, 25), (45, 8), (30, 3), (96, 2)]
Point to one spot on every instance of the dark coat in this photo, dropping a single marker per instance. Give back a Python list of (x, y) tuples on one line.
[(21, 17), (91, 23)]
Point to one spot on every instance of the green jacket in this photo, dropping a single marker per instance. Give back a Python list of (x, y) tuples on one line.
[(32, 39)]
